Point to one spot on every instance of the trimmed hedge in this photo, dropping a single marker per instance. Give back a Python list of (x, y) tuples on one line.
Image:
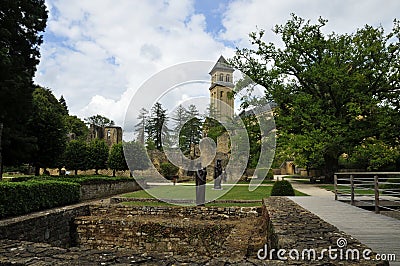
[(83, 180), (282, 188), (88, 180), (17, 198)]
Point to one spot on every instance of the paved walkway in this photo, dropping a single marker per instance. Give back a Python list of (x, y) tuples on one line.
[(379, 232), (311, 189)]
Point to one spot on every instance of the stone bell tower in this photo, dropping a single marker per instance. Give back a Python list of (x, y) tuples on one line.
[(221, 89)]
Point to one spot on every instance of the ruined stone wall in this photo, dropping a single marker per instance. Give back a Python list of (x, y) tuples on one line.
[(55, 227), (189, 231), (102, 190), (204, 213)]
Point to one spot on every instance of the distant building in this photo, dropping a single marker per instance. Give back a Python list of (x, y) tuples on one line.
[(110, 134)]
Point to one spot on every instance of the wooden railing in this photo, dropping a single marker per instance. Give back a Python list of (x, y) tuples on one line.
[(378, 189)]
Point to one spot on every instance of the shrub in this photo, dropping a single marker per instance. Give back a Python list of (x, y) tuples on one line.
[(168, 170), (81, 179), (282, 188), (21, 178), (17, 198)]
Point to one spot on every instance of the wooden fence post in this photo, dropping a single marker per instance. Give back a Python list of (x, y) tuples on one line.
[(376, 188), (352, 189)]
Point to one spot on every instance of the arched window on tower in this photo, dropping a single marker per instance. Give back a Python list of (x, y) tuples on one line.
[(221, 77), (221, 94), (227, 78)]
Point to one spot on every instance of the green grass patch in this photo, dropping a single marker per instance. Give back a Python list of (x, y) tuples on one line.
[(346, 189), (189, 192)]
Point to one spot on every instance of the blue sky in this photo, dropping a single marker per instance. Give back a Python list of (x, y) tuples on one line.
[(213, 11), (98, 53)]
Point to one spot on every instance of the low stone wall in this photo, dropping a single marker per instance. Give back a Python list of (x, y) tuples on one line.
[(55, 226), (202, 213), (106, 189)]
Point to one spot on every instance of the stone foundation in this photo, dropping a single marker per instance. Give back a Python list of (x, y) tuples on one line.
[(125, 235), (173, 231)]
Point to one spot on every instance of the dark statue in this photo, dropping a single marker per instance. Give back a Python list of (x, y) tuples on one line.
[(217, 175), (201, 179)]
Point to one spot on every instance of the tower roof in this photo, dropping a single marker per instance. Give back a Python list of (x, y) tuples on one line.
[(221, 65)]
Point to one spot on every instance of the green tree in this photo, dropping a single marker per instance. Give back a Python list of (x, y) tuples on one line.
[(22, 23), (331, 91), (136, 156), (140, 127), (76, 126), (373, 155), (64, 105), (179, 118), (116, 158), (75, 156), (99, 120), (156, 127), (97, 155), (254, 134), (47, 125), (190, 133), (211, 127)]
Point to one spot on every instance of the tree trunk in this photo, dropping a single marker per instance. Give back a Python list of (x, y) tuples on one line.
[(113, 172), (96, 171), (1, 158), (331, 166), (37, 170), (76, 172)]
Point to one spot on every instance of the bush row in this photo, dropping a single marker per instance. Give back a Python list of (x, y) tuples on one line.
[(18, 198), (83, 180)]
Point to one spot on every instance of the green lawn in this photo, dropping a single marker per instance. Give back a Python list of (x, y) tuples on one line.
[(188, 193)]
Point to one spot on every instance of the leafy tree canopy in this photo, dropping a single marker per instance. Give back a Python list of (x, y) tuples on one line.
[(21, 25), (99, 120), (97, 155), (156, 127), (116, 158), (75, 156), (332, 91), (47, 125), (76, 126)]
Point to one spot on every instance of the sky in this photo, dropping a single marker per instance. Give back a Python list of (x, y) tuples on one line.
[(97, 54)]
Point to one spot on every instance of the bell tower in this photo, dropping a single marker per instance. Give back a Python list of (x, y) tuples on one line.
[(221, 89)]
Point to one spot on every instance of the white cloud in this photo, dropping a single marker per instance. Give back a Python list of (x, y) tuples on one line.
[(97, 53), (244, 16), (96, 50)]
